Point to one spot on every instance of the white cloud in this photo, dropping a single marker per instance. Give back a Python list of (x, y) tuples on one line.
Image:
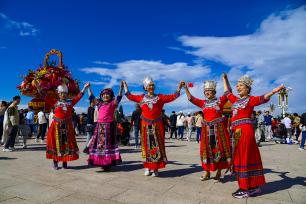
[(21, 28), (274, 54), (102, 62), (134, 71)]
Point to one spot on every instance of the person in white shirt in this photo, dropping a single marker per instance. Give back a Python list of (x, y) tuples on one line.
[(288, 125), (42, 125), (190, 122), (180, 124), (198, 122)]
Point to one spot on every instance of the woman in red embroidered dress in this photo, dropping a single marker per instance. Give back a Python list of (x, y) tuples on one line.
[(152, 127), (61, 142), (215, 145), (246, 157)]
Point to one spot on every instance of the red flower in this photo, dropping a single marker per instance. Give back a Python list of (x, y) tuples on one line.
[(190, 84)]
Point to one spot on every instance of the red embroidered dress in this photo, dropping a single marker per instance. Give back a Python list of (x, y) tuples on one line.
[(215, 144), (246, 156), (61, 141), (152, 128)]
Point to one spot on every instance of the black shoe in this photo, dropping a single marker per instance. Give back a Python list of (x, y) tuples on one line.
[(236, 191), (86, 150), (55, 165), (65, 166), (253, 192)]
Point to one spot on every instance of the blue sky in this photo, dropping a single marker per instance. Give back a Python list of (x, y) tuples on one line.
[(106, 41)]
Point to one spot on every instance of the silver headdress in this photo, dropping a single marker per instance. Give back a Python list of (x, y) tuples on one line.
[(210, 85), (246, 80), (62, 88), (148, 80)]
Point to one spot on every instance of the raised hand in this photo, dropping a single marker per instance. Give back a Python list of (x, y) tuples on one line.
[(86, 85), (182, 84), (124, 85), (278, 89), (224, 76)]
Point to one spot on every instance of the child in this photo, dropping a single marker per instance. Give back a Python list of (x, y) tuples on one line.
[(103, 146)]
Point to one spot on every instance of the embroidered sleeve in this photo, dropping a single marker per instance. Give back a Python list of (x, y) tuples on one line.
[(230, 96), (257, 100), (76, 99), (169, 98), (196, 101), (135, 98)]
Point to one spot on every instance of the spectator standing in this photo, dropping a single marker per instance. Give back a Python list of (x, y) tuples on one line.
[(136, 121), (24, 130), (268, 126), (42, 125), (30, 120), (198, 122), (296, 127), (3, 107), (303, 129), (180, 124), (13, 122), (173, 119), (190, 124), (288, 125)]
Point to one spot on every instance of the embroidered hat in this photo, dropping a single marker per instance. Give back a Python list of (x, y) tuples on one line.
[(246, 80), (210, 85), (62, 88), (147, 81)]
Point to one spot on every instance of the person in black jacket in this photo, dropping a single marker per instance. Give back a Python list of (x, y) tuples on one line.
[(135, 120), (303, 127), (90, 124), (173, 118)]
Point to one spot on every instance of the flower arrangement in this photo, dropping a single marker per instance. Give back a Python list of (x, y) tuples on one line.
[(48, 77)]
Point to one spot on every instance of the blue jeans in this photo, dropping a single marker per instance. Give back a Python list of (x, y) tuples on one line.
[(89, 132), (199, 130), (136, 135), (181, 131), (303, 139)]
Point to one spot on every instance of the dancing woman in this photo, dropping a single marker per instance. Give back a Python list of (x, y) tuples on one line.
[(61, 141), (247, 163), (152, 127), (214, 145)]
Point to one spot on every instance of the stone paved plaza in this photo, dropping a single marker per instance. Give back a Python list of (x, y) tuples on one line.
[(27, 177)]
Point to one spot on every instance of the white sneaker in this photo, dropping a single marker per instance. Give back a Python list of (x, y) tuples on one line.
[(155, 173), (301, 149), (147, 172), (7, 150)]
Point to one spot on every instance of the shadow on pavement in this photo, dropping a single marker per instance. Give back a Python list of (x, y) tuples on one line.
[(176, 145), (128, 166), (180, 172), (31, 148), (283, 184), (7, 158)]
